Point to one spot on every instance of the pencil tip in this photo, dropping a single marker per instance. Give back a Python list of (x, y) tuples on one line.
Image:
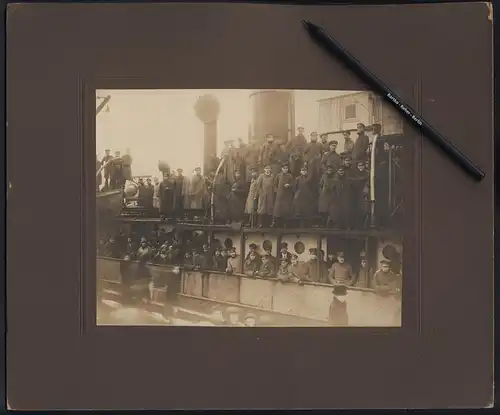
[(306, 23)]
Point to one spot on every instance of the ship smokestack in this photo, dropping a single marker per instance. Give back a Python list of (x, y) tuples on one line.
[(273, 112), (207, 110)]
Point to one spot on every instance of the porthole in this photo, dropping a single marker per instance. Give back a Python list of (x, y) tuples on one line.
[(299, 247), (267, 244)]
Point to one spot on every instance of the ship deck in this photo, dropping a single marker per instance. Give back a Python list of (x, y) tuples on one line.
[(237, 228)]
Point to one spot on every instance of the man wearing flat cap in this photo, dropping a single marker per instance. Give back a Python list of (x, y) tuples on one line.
[(337, 315)]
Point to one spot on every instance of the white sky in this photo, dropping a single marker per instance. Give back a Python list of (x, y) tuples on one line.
[(161, 124)]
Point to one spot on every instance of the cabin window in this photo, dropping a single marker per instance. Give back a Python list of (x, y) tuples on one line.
[(350, 111), (299, 247)]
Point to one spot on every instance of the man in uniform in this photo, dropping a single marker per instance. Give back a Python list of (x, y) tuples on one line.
[(324, 143), (284, 184), (268, 154), (197, 190), (272, 258), (315, 267), (127, 166), (331, 157), (297, 271), (339, 209), (180, 191), (326, 194), (304, 201), (117, 180), (166, 194), (265, 195), (359, 195), (362, 143), (251, 202), (312, 156), (348, 142), (295, 149), (229, 155), (341, 272), (236, 198), (386, 282), (364, 278), (299, 141), (221, 191), (107, 168), (149, 194)]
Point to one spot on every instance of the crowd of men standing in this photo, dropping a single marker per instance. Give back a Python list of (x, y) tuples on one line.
[(302, 182)]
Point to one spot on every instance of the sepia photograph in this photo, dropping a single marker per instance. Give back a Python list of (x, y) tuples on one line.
[(248, 208)]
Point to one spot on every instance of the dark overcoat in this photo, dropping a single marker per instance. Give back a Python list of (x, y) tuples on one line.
[(284, 195), (236, 200), (339, 209), (326, 185), (305, 197)]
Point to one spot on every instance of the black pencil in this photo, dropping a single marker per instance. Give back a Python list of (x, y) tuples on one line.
[(378, 86)]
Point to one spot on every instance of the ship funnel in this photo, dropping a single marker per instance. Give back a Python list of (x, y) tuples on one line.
[(273, 112)]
